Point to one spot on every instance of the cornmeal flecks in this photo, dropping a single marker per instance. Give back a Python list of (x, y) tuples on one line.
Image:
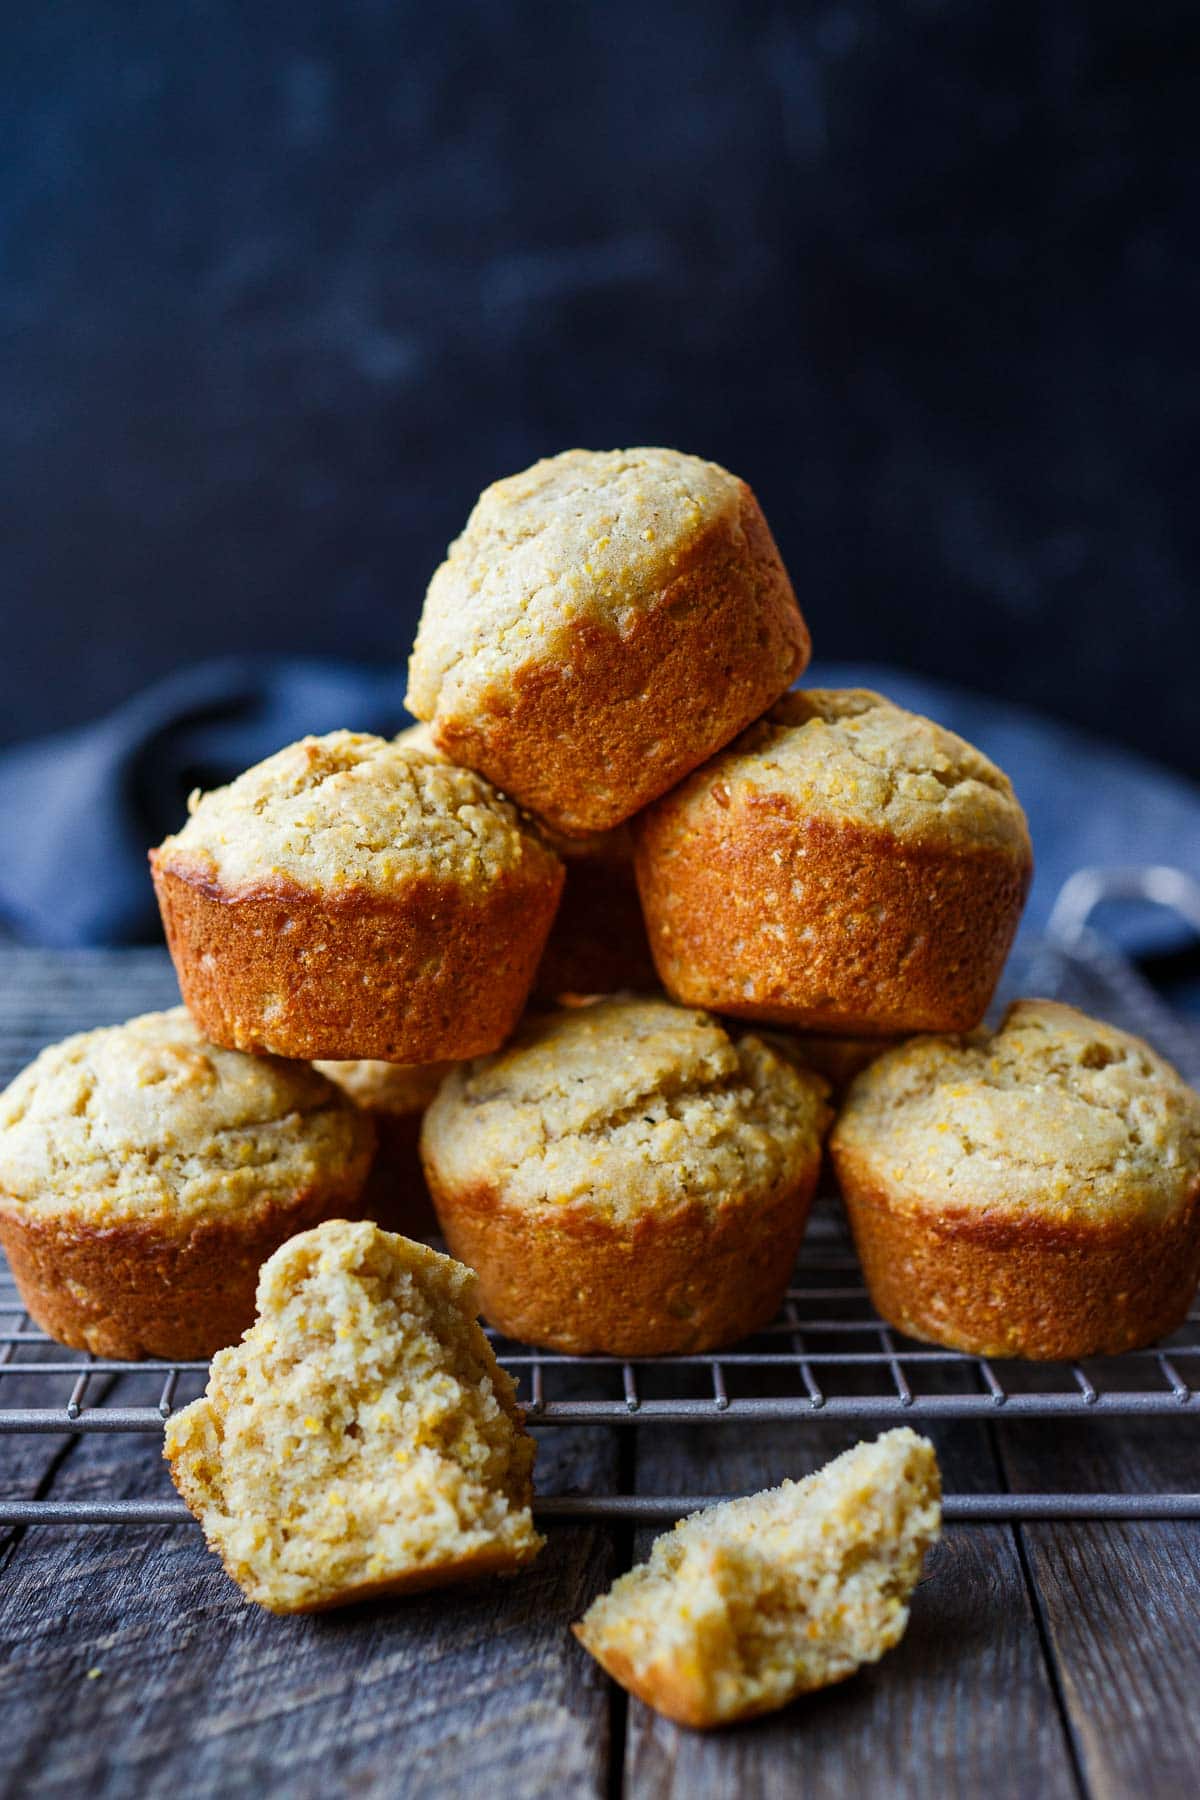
[(362, 1434), (349, 811), (755, 1601), (629, 1105), (148, 1118), (851, 755), (589, 534), (1055, 1113)]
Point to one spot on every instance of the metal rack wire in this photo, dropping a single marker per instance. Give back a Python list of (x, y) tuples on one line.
[(827, 1356)]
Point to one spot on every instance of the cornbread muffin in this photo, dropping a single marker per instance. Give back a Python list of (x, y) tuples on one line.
[(626, 1177), (845, 867), (361, 1439), (1034, 1193), (597, 943), (745, 1606), (145, 1176), (352, 898), (606, 621), (395, 1095)]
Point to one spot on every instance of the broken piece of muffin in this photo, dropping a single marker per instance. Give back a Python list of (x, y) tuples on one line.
[(361, 1439), (744, 1606)]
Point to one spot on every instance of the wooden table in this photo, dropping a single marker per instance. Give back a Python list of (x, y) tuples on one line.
[(1041, 1660)]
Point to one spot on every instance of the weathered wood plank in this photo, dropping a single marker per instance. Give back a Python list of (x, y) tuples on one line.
[(963, 1706), (1120, 1602), (199, 1692)]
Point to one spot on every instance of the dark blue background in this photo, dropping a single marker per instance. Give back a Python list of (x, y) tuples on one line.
[(285, 284)]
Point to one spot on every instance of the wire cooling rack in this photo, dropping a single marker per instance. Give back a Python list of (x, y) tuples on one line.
[(827, 1355)]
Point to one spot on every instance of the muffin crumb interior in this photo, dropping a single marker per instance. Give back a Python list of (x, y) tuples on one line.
[(752, 1602), (362, 1433)]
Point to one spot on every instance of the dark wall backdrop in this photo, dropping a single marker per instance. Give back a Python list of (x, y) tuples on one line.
[(285, 283)]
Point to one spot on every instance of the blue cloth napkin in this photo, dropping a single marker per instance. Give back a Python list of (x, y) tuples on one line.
[(79, 810)]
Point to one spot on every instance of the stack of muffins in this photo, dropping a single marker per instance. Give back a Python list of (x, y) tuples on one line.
[(729, 902)]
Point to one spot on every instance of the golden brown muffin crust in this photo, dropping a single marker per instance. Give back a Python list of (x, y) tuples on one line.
[(992, 1285), (767, 896), (351, 898), (139, 1287), (1035, 1192), (435, 974), (854, 935), (679, 1279)]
